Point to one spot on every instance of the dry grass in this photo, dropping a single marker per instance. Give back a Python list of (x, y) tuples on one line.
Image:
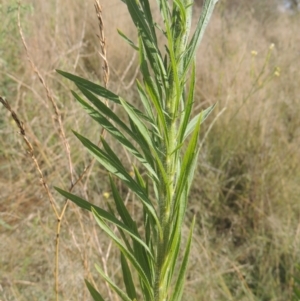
[(246, 192)]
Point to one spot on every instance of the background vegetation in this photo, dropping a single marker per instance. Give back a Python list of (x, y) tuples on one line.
[(246, 192)]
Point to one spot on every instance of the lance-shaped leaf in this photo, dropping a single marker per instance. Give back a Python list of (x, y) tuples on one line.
[(140, 253), (155, 83), (117, 134), (146, 135), (119, 170), (127, 277), (104, 214), (121, 208), (131, 257), (187, 164), (188, 105), (145, 100), (192, 124), (104, 110), (198, 34), (175, 237), (94, 293), (130, 42), (175, 89), (181, 277), (148, 36), (148, 16), (115, 287), (98, 90)]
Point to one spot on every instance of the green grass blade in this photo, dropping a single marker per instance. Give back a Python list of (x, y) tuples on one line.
[(127, 277), (94, 293), (177, 294)]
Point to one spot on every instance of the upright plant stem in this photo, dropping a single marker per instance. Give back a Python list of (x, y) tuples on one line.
[(159, 132)]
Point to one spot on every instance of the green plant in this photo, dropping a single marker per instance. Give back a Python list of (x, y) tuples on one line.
[(156, 138), (296, 284)]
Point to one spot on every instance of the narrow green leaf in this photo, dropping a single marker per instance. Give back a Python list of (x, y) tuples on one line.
[(127, 40), (104, 214), (127, 277), (115, 287), (207, 111), (140, 126), (175, 237), (103, 109), (149, 18), (148, 37), (187, 163), (156, 83), (145, 100), (193, 167), (109, 151), (177, 294), (188, 106), (94, 293), (198, 34), (131, 257), (191, 125), (135, 118), (98, 90), (139, 251), (147, 161), (175, 90), (121, 173), (161, 114), (112, 166), (139, 178), (116, 169), (121, 208)]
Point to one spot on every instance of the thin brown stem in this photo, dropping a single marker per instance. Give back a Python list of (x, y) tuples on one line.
[(66, 146), (49, 97), (30, 151)]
